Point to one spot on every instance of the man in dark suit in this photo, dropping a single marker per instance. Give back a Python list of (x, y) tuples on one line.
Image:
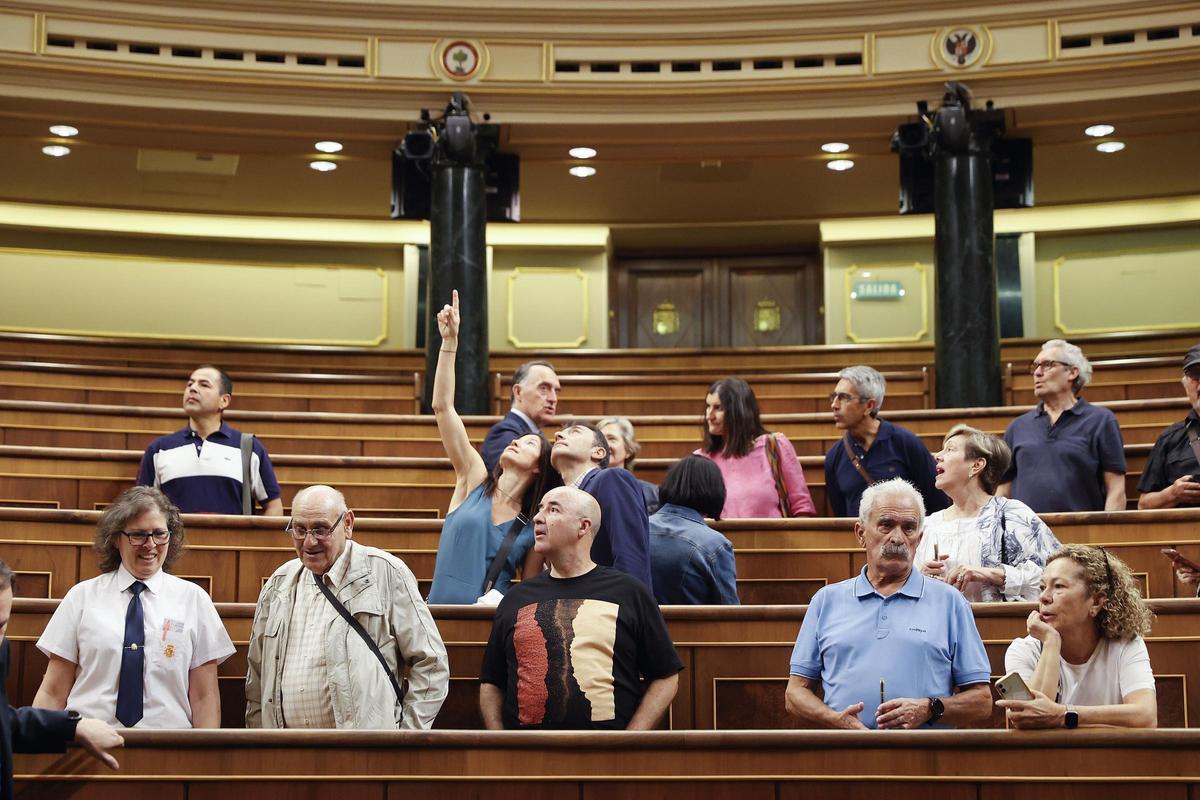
[(35, 730), (535, 389)]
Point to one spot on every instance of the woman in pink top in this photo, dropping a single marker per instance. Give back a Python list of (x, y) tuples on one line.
[(736, 441)]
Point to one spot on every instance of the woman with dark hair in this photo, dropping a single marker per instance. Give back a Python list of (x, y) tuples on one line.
[(623, 449), (486, 538), (762, 476), (990, 548), (1084, 659), (136, 646), (691, 563)]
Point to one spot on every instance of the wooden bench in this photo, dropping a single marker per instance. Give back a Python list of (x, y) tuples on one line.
[(735, 659), (316, 358), (259, 391), (89, 478), (785, 393), (540, 765), (779, 562), (127, 427)]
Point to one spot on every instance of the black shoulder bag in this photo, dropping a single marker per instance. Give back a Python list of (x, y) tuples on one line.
[(366, 637)]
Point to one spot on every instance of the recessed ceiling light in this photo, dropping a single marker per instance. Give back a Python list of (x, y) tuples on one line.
[(582, 152), (1110, 147), (56, 150), (582, 171), (322, 166), (1099, 130), (835, 147), (841, 165), (66, 131), (329, 147)]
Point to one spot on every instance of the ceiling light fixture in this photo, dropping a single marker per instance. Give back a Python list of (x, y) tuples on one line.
[(840, 165), (582, 152), (66, 131), (582, 171), (1101, 129), (56, 150), (835, 147), (1110, 147), (329, 147), (322, 166)]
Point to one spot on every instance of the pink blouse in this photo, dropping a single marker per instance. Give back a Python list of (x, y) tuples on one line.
[(750, 486)]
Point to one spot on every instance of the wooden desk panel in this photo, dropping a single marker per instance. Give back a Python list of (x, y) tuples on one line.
[(814, 765), (737, 658)]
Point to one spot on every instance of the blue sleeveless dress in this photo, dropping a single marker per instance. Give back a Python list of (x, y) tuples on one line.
[(466, 548)]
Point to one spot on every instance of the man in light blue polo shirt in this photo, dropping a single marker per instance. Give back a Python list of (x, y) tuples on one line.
[(891, 647)]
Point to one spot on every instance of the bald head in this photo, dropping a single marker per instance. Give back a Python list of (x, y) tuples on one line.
[(563, 529), (319, 496)]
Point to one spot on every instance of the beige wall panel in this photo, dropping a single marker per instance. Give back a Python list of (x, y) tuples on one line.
[(547, 305), (878, 320), (17, 32), (516, 62), (903, 52), (80, 293), (1020, 44), (155, 34), (1122, 280), (405, 59)]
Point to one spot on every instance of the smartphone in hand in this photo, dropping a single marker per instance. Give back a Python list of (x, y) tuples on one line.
[(1012, 687)]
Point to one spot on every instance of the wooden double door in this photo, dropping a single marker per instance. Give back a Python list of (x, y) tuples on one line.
[(735, 301)]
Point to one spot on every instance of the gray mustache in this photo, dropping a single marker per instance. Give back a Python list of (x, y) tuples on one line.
[(896, 550)]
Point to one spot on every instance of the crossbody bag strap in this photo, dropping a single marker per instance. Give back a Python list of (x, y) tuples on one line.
[(247, 486), (777, 473), (366, 637), (866, 476), (501, 557), (1003, 535), (1193, 436)]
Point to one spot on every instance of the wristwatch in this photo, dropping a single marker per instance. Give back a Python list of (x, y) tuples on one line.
[(1071, 718), (936, 709), (73, 718)]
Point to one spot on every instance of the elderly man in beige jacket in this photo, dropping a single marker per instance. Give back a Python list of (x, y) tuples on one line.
[(341, 637)]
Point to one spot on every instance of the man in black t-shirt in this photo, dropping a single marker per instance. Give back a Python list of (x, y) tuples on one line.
[(579, 646)]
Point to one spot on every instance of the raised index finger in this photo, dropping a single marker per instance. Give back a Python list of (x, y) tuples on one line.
[(454, 299)]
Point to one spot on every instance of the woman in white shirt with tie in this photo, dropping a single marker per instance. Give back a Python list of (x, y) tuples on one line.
[(136, 646)]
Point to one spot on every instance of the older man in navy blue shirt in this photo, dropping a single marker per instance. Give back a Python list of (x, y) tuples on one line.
[(871, 447), (891, 647), (1067, 453)]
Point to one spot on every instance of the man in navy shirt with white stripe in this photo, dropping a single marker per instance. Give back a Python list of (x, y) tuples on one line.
[(200, 466)]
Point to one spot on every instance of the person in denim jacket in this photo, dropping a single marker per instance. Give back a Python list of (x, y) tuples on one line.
[(692, 564)]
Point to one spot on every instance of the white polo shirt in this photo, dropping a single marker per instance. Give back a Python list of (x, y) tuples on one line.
[(183, 631)]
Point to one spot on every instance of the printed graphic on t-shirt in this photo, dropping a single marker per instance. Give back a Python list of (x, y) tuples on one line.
[(564, 651)]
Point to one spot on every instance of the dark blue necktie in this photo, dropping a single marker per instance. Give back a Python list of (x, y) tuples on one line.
[(133, 660)]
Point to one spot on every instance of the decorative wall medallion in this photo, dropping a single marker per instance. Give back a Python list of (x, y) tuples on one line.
[(460, 59), (665, 319), (960, 47), (768, 317)]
